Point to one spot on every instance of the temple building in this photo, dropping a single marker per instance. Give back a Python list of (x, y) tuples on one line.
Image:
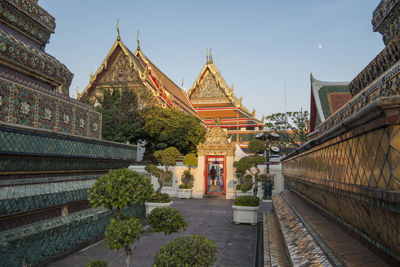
[(123, 69), (326, 98), (216, 103)]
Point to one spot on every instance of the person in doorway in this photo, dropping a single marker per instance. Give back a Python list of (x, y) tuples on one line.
[(213, 173)]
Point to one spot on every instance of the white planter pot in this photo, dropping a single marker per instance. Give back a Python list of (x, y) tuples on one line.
[(240, 193), (185, 193), (152, 205), (243, 214)]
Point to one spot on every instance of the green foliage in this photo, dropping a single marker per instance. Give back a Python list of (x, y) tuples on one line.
[(168, 156), (192, 250), (244, 187), (122, 118), (170, 127), (167, 220), (185, 186), (96, 263), (122, 233), (265, 177), (294, 127), (119, 188), (245, 165), (187, 180), (190, 160), (158, 197), (248, 201), (257, 146)]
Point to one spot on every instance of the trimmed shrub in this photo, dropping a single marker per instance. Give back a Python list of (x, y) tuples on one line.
[(96, 263), (167, 220), (248, 201), (192, 250), (159, 198), (122, 233), (185, 186), (246, 187)]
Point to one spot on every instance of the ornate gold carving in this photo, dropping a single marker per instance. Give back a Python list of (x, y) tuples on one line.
[(216, 143), (121, 71), (209, 87)]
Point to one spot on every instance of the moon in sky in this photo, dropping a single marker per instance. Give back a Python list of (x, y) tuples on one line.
[(320, 46)]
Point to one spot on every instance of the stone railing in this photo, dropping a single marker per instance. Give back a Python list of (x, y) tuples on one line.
[(352, 172)]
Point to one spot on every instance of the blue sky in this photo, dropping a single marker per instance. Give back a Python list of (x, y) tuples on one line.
[(259, 46)]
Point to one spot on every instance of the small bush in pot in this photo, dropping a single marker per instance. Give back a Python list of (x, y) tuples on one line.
[(185, 186), (167, 220), (192, 250), (248, 201), (159, 198)]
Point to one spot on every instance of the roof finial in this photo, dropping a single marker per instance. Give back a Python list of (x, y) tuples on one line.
[(211, 60), (138, 43), (77, 93), (91, 74), (118, 38), (207, 55)]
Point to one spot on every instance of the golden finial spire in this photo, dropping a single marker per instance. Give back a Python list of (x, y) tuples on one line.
[(77, 93), (206, 55), (138, 43), (118, 38), (211, 60), (91, 74)]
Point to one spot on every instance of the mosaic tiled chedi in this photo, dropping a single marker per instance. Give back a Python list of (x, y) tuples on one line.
[(40, 242), (25, 106)]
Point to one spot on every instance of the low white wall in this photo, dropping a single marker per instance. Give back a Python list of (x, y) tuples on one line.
[(177, 172), (198, 188)]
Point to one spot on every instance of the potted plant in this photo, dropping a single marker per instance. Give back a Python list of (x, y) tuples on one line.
[(245, 185), (157, 200), (249, 164), (186, 188), (192, 250), (245, 209)]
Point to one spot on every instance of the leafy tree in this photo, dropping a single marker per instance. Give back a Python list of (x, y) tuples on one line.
[(170, 127), (122, 234), (190, 160), (250, 164), (167, 158), (119, 189), (122, 117), (292, 126)]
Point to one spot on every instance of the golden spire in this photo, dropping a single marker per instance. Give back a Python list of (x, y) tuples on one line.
[(91, 74), (253, 114), (211, 60), (207, 56), (118, 38), (138, 43), (77, 93)]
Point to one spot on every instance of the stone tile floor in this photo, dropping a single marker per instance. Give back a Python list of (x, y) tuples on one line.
[(236, 244)]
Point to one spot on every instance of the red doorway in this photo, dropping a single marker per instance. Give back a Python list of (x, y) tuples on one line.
[(215, 175)]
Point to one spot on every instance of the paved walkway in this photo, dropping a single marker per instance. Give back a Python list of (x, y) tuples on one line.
[(236, 244)]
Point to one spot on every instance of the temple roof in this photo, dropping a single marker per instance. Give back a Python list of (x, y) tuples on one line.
[(163, 88), (216, 91), (326, 98)]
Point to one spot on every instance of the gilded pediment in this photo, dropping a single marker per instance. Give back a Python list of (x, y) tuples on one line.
[(208, 87), (120, 71)]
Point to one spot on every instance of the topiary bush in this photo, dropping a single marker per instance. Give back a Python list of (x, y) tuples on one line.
[(122, 233), (192, 250), (245, 187), (159, 198), (96, 263), (185, 186), (119, 189), (248, 201), (167, 220)]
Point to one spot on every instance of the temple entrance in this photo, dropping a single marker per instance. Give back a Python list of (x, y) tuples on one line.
[(215, 175)]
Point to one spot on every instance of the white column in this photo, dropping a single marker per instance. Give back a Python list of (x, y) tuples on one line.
[(198, 184), (230, 178)]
